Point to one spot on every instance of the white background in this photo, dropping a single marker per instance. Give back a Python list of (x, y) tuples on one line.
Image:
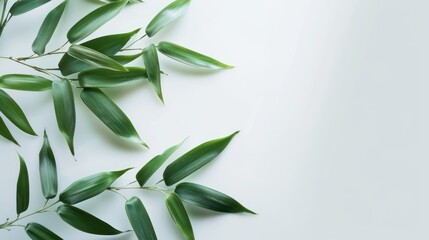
[(328, 95)]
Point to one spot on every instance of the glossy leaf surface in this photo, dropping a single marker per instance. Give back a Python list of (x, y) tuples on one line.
[(4, 132), (104, 78), (38, 232), (23, 6), (150, 58), (139, 219), (179, 215), (94, 58), (25, 82), (48, 169), (167, 15), (22, 188)]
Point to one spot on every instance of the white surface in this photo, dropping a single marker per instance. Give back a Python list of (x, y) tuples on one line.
[(328, 95)]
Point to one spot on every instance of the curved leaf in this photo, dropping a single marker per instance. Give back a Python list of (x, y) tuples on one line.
[(195, 159), (124, 59), (94, 20), (105, 78), (209, 198), (23, 6), (150, 58), (190, 57), (4, 132), (65, 110), (84, 221), (14, 113), (139, 219), (25, 82), (22, 188), (38, 232), (48, 169), (110, 114), (167, 15), (48, 28), (89, 187), (94, 58), (180, 216)]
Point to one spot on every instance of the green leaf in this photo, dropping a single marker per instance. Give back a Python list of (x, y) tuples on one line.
[(150, 58), (108, 45), (110, 114), (190, 57), (90, 186), (167, 15), (22, 188), (124, 59), (14, 113), (25, 82), (209, 198), (4, 132), (48, 169), (105, 78), (195, 159), (139, 219), (23, 6), (48, 28), (38, 232), (154, 164), (94, 20), (65, 110), (84, 221), (180, 216), (95, 58)]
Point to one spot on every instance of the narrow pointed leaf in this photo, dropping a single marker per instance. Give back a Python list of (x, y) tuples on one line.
[(4, 132), (65, 110), (195, 159), (85, 221), (105, 78), (150, 58), (154, 164), (94, 20), (110, 114), (38, 232), (89, 187), (25, 82), (23, 6), (48, 169), (209, 198), (14, 113), (22, 188), (190, 57), (124, 59), (167, 15), (139, 219), (48, 28), (180, 216), (94, 58)]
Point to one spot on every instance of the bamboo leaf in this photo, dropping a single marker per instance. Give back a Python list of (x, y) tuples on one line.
[(94, 58), (190, 57), (23, 6), (65, 110), (48, 28), (167, 15), (110, 114), (195, 159), (25, 82), (48, 169), (22, 188), (14, 113), (209, 198), (90, 186), (150, 58), (4, 132), (38, 232), (94, 20), (180, 216), (139, 219), (124, 59), (84, 221), (105, 78)]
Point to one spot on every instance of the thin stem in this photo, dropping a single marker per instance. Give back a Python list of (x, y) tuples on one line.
[(114, 191), (39, 69)]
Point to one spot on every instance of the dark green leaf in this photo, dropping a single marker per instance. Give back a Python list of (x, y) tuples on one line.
[(89, 187), (14, 113), (209, 198), (104, 78), (110, 114), (167, 15), (180, 216), (38, 232), (22, 188), (65, 110), (84, 221), (94, 20), (4, 132), (124, 59), (25, 82), (48, 169), (48, 28), (139, 219), (195, 159), (23, 6), (94, 58), (190, 57), (150, 58)]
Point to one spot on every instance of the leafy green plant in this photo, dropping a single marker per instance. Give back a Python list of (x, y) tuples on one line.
[(104, 62)]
